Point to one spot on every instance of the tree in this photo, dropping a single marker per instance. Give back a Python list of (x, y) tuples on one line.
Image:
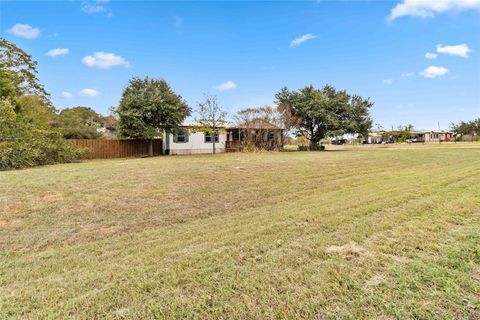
[(24, 144), (79, 123), (33, 109), (360, 119), (467, 128), (21, 70), (256, 122), (211, 118), (149, 107), (318, 113), (26, 115)]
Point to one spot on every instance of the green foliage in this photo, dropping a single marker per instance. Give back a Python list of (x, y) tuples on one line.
[(26, 115), (23, 144), (19, 69), (402, 134), (318, 113), (79, 123), (34, 110), (7, 89), (148, 107), (467, 127)]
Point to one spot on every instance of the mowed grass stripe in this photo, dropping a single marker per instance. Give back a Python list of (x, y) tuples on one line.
[(159, 203), (233, 266)]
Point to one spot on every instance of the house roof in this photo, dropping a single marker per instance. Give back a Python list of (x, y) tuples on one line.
[(259, 124)]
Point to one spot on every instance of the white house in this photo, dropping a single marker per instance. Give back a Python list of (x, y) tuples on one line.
[(189, 140)]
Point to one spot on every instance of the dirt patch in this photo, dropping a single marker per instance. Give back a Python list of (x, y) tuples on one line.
[(351, 249), (375, 280), (10, 223), (400, 259), (110, 229), (52, 197), (476, 274)]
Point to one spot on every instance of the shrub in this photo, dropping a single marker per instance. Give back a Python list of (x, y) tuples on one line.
[(24, 145), (307, 148)]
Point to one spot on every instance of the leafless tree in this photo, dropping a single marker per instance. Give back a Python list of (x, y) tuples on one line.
[(256, 123), (212, 118)]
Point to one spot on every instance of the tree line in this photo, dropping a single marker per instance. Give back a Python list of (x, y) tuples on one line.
[(148, 108), (33, 132), (28, 136)]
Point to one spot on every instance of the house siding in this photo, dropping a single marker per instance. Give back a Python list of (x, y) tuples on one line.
[(196, 144)]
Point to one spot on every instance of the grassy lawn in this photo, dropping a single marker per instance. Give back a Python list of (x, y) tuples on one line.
[(382, 233)]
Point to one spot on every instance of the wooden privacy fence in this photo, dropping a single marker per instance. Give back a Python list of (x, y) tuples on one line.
[(107, 149)]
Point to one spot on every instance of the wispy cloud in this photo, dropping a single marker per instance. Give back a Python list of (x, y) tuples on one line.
[(228, 85), (461, 50), (387, 81), (430, 55), (87, 92), (298, 41), (24, 31), (177, 22), (429, 8), (96, 6), (104, 60), (66, 95), (408, 74), (433, 72), (57, 52)]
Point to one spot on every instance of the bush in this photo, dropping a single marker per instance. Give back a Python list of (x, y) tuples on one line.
[(307, 148), (23, 145)]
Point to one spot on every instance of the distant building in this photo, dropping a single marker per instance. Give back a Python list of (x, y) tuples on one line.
[(433, 136)]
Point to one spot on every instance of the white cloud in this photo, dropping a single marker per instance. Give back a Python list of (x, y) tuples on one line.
[(58, 52), (178, 22), (302, 39), (408, 74), (66, 95), (433, 71), (387, 81), (104, 60), (24, 31), (96, 6), (461, 50), (430, 55), (89, 92), (229, 85), (429, 8)]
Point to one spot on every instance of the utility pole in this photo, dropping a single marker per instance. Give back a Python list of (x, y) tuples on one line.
[(439, 139)]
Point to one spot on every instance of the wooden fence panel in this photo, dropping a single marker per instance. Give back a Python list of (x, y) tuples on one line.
[(108, 149)]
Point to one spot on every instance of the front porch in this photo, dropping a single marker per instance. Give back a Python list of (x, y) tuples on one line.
[(266, 139)]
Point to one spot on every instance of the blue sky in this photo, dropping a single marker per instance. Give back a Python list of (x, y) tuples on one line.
[(245, 51)]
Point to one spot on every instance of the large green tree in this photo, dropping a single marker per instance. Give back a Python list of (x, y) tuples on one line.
[(318, 113), (18, 75), (148, 108), (33, 109), (26, 115), (79, 123)]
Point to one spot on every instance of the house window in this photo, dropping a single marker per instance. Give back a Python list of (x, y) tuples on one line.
[(208, 137), (235, 135), (271, 136), (181, 136)]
